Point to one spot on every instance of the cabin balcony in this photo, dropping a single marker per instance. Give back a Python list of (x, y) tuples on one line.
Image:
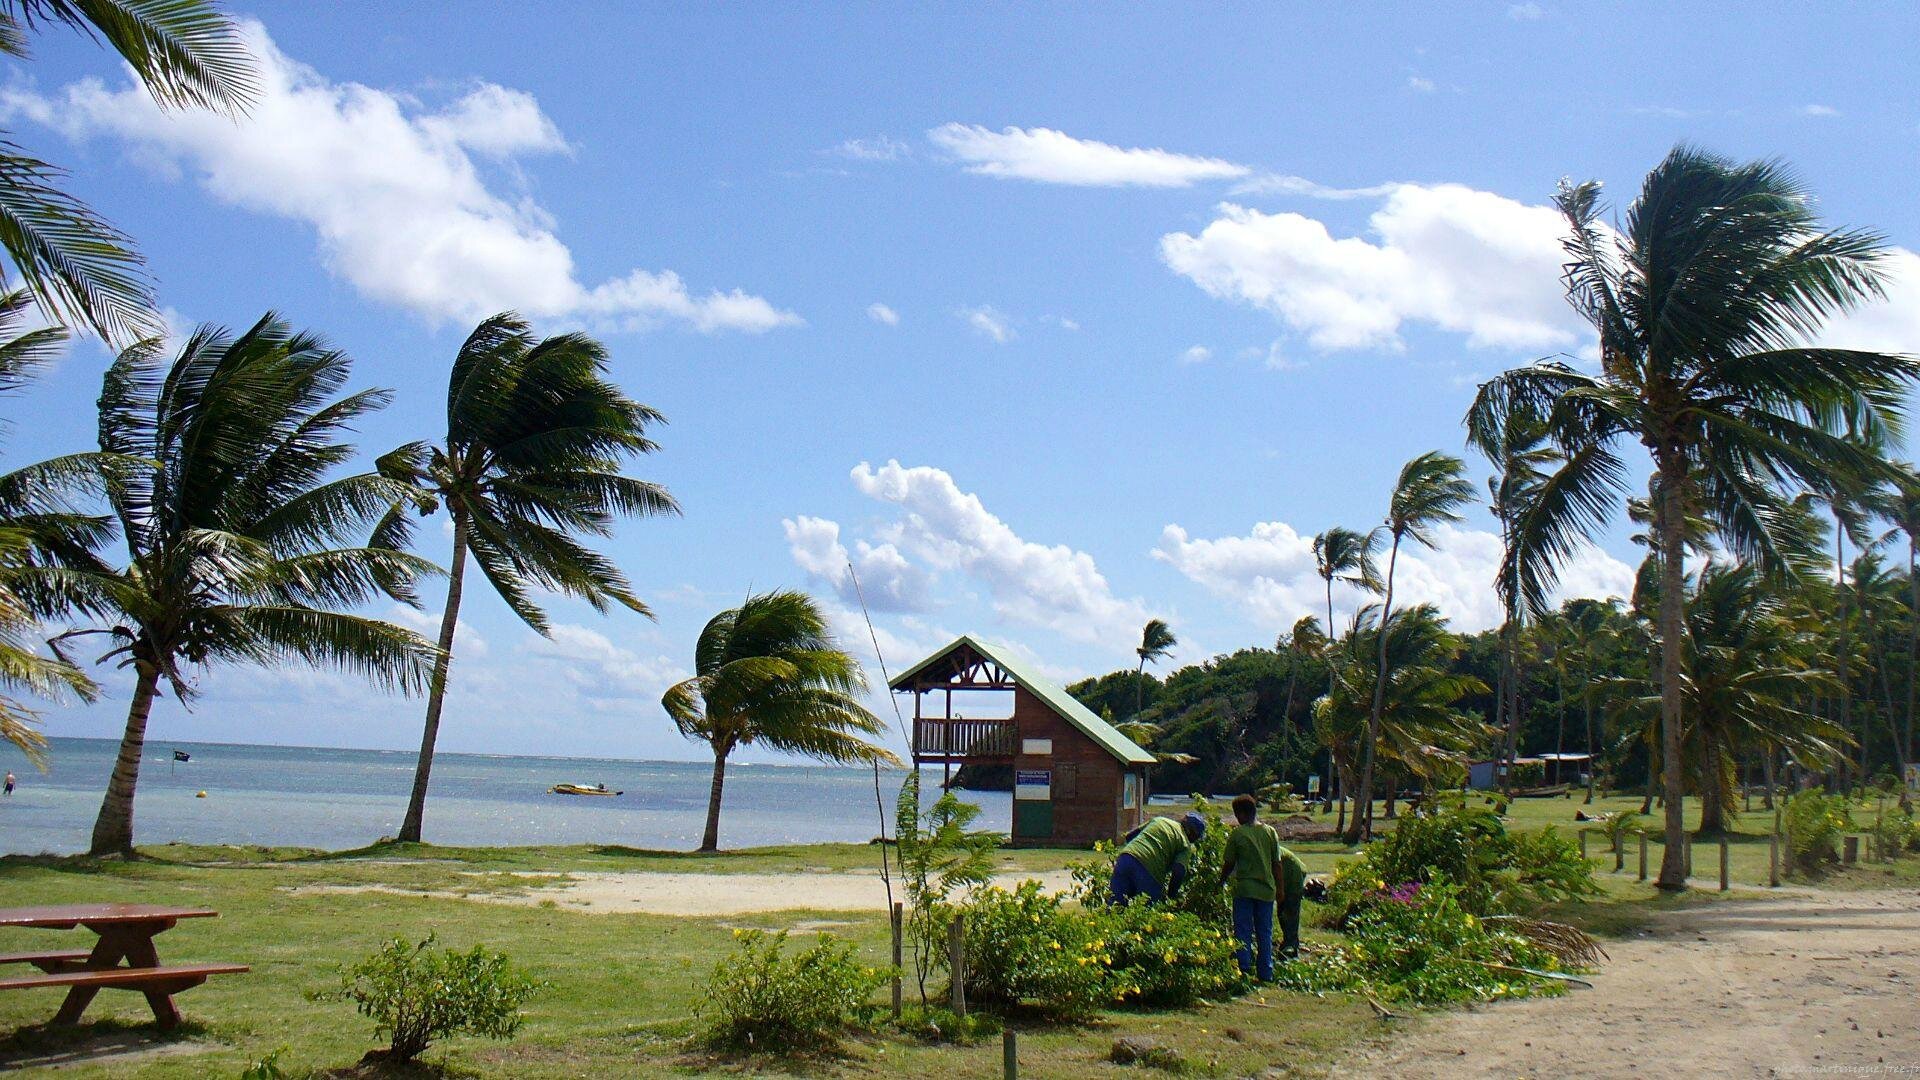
[(964, 742)]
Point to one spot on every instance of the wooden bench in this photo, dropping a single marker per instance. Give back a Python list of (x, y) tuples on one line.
[(123, 959), (167, 979), (47, 961)]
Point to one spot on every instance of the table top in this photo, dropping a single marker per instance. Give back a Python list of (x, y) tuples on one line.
[(67, 916)]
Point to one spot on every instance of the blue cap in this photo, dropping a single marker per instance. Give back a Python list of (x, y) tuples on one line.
[(1195, 825)]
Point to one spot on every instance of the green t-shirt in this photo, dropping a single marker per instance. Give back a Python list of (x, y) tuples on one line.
[(1160, 843), (1252, 849), (1293, 874)]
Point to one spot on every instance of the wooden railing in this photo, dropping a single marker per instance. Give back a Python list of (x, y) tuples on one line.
[(958, 739)]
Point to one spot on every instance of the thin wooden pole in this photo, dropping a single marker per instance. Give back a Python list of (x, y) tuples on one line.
[(1009, 1055), (1725, 882), (1773, 861), (1643, 856), (957, 963), (1619, 853), (899, 915), (1583, 845)]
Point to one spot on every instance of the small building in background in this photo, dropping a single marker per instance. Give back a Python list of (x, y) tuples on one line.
[(1076, 779), (1554, 770)]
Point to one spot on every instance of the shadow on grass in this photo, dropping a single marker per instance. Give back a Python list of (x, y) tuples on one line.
[(109, 1040)]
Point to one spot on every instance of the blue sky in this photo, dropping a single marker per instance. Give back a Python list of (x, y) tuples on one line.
[(1050, 320)]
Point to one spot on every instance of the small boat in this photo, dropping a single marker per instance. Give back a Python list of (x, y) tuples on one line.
[(580, 789)]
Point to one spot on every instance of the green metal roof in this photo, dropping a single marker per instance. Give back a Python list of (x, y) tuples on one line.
[(1055, 697)]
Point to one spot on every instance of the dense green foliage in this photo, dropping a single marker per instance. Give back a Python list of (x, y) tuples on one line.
[(761, 999), (1814, 822), (415, 994)]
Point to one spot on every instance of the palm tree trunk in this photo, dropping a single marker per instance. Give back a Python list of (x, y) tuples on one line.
[(437, 688), (1913, 647), (1766, 768), (1846, 619), (1593, 762), (1669, 519), (1363, 795), (113, 829), (1139, 685), (710, 840)]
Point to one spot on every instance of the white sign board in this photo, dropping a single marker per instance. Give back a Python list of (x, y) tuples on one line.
[(1036, 747), (1033, 784), (1313, 785)]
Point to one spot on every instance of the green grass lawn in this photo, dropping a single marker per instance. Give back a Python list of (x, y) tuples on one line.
[(623, 987)]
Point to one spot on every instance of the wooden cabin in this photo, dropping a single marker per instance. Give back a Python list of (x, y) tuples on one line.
[(1076, 780)]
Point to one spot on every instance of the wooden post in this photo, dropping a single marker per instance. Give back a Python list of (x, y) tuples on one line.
[(899, 912), (1009, 1055), (1643, 856), (1725, 882), (1851, 849), (957, 963), (1619, 852), (1583, 845), (1773, 861)]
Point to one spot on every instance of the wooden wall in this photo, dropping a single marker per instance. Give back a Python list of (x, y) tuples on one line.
[(1087, 780)]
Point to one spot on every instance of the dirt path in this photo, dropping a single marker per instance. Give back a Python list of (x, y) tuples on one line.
[(1803, 985)]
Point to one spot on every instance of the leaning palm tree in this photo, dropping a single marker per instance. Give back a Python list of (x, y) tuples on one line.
[(1342, 555), (770, 672), (1431, 490), (239, 549), (1156, 643), (82, 270), (536, 440), (1704, 303)]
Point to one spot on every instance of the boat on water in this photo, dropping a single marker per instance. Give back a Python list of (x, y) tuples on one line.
[(581, 789)]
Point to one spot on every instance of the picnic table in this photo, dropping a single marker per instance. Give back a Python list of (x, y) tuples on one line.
[(122, 959)]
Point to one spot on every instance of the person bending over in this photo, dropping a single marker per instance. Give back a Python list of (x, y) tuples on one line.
[(1153, 859)]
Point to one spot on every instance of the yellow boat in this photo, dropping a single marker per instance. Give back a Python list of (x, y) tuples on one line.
[(580, 789)]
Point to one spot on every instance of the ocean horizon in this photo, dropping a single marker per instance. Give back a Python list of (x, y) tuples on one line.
[(338, 798)]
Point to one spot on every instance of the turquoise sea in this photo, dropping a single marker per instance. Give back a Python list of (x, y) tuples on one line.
[(325, 798)]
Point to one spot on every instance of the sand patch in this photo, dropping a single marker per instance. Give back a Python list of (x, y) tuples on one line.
[(671, 893)]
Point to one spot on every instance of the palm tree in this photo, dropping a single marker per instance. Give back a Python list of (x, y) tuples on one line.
[(1593, 634), (81, 269), (1522, 459), (770, 672), (1340, 554), (1431, 490), (1899, 504), (1156, 642), (218, 485), (1703, 303), (536, 438)]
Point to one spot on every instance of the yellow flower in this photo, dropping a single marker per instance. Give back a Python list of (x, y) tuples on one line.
[(1055, 944)]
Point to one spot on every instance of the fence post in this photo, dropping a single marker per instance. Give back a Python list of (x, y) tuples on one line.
[(898, 914), (1852, 850), (957, 963), (1643, 856), (1619, 852), (1583, 845), (1773, 861), (1725, 881), (1009, 1055)]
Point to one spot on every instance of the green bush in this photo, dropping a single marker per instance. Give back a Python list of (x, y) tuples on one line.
[(1495, 870), (1198, 897), (1164, 957), (1027, 947), (1529, 774), (1815, 822), (1421, 945), (1894, 832), (761, 999), (934, 1024), (416, 995)]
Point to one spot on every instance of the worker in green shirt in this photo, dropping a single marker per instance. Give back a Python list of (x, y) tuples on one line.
[(1251, 869), (1153, 861), (1291, 876)]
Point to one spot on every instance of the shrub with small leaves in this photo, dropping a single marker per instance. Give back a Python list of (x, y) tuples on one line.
[(1815, 822), (1165, 957), (1027, 947), (761, 999), (415, 994)]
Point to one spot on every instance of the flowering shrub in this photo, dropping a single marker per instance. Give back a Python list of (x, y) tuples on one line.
[(1815, 821), (1025, 946), (1163, 957), (1198, 897), (761, 999), (1419, 944), (1495, 870)]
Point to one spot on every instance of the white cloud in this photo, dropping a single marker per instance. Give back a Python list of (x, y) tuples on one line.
[(989, 323), (1196, 354), (887, 579), (1283, 184), (1062, 322), (883, 314), (1054, 157), (1446, 255), (873, 148), (401, 210), (600, 670), (1889, 325), (1419, 85), (1818, 111), (1270, 574), (1054, 586), (467, 642), (1525, 12)]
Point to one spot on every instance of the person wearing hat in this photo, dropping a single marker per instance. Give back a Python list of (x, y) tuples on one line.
[(1153, 859)]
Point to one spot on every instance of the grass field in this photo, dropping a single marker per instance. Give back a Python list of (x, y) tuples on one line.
[(622, 987)]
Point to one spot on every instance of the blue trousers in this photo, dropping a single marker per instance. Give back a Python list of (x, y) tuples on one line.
[(1131, 879), (1253, 928)]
